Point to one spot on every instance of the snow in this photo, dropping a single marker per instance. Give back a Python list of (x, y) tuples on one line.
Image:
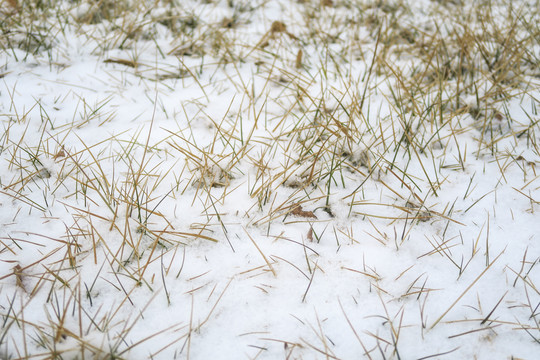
[(148, 201)]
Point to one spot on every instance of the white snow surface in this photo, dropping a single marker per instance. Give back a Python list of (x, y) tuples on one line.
[(149, 208)]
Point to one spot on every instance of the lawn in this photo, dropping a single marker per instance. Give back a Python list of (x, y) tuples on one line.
[(269, 179)]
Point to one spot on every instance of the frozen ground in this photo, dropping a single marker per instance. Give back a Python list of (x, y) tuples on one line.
[(269, 179)]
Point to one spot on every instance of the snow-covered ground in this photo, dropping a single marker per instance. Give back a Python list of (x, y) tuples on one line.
[(269, 179)]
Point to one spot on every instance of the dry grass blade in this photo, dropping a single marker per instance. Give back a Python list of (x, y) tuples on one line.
[(260, 252), (465, 291), (129, 63)]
